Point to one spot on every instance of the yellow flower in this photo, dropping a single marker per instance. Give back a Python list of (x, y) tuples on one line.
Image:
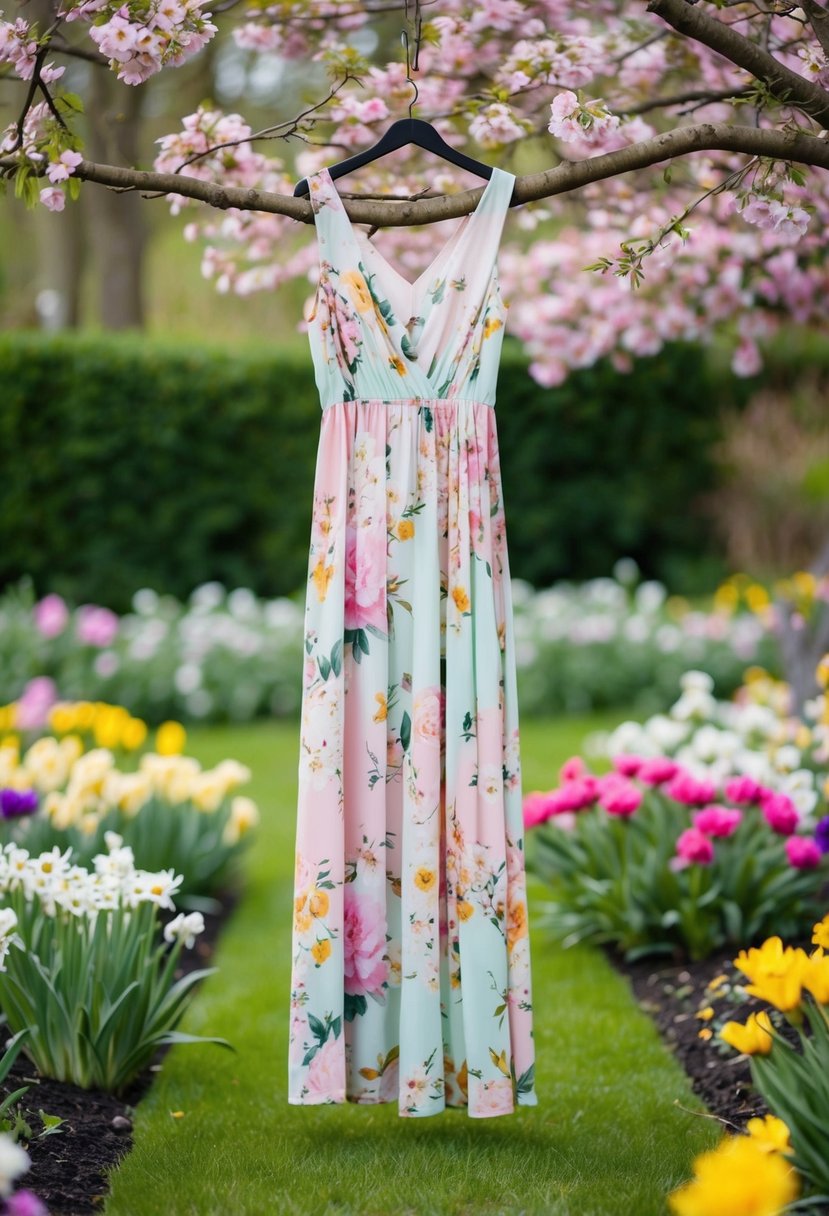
[(706, 1014), (382, 712), (740, 1177), (757, 598), (358, 290), (61, 718), (133, 734), (775, 973), (170, 739), (399, 366), (716, 982), (302, 922), (516, 922), (321, 950), (771, 1132), (465, 909), (822, 672), (726, 598), (820, 935), (425, 878), (816, 977), (322, 575), (461, 599), (109, 725), (754, 1038), (491, 325), (705, 1033), (318, 903), (405, 529)]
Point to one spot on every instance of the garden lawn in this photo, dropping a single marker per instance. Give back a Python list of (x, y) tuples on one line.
[(606, 1138)]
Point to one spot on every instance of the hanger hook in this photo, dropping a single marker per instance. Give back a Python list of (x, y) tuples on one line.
[(404, 38)]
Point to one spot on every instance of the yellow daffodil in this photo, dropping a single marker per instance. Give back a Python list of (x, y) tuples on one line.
[(771, 1132), (816, 976), (775, 972), (740, 1177), (754, 1038)]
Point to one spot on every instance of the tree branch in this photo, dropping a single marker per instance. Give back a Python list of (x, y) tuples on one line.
[(819, 21), (793, 145), (784, 84)]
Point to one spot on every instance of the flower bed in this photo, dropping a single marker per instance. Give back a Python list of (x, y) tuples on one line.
[(227, 655)]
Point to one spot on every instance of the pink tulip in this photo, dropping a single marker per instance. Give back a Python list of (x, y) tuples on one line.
[(619, 796), (537, 808), (717, 820), (745, 791), (694, 846), (658, 770), (628, 766), (571, 769), (780, 814), (803, 853), (690, 791)]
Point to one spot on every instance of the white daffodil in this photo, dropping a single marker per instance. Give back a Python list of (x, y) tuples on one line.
[(184, 928), (14, 1161)]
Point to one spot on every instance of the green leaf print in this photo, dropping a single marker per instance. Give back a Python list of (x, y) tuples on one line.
[(428, 420), (353, 1006), (337, 656), (432, 365), (324, 666), (407, 348), (437, 294), (378, 633), (526, 1081), (359, 642), (405, 731)]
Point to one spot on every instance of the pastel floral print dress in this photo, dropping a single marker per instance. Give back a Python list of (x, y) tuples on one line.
[(411, 960)]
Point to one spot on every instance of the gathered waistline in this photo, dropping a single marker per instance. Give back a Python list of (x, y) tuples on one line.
[(412, 401)]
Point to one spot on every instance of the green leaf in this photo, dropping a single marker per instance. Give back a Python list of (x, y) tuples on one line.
[(405, 731)]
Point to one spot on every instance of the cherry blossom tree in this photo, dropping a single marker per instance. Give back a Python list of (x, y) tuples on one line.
[(686, 141)]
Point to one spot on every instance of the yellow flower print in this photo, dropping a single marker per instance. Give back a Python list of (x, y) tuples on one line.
[(405, 529), (380, 716), (492, 324), (461, 599), (465, 909), (321, 950), (425, 878), (358, 290), (318, 903), (322, 575), (302, 921), (399, 366)]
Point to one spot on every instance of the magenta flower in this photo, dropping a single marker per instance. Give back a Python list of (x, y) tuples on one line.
[(689, 790), (618, 795), (628, 766), (51, 615), (780, 814), (572, 769), (803, 853), (96, 626), (717, 820), (538, 807), (745, 791), (694, 846), (657, 770), (576, 795), (24, 1203)]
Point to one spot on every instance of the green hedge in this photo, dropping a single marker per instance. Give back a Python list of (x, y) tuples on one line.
[(129, 462)]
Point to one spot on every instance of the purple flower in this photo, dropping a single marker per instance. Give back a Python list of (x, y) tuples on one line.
[(14, 803), (96, 626), (822, 834), (24, 1203)]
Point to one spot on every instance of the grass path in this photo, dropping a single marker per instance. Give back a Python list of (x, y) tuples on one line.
[(605, 1140)]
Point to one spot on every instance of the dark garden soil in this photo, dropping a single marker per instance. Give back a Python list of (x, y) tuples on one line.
[(674, 994), (68, 1166)]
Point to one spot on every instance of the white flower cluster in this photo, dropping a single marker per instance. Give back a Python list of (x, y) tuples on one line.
[(722, 739), (57, 884)]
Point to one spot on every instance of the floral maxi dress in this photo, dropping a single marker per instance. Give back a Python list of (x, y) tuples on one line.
[(411, 960)]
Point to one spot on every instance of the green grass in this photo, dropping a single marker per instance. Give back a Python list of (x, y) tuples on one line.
[(607, 1138)]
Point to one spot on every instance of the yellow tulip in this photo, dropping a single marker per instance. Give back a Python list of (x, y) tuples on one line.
[(134, 734), (754, 1038), (740, 1177), (820, 935), (816, 977), (822, 672), (775, 972), (170, 739)]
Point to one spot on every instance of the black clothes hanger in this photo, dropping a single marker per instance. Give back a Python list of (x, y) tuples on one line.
[(402, 132)]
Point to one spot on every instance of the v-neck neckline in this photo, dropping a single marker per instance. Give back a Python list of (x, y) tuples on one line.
[(413, 286)]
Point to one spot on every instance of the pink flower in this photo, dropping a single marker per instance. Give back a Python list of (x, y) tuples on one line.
[(33, 706), (619, 796), (694, 846), (493, 1098), (364, 943), (571, 769), (745, 791), (657, 770), (53, 198), (96, 626), (803, 852), (690, 791), (538, 807), (326, 1072), (717, 820), (575, 795), (780, 814), (365, 577), (51, 615), (427, 715), (628, 766)]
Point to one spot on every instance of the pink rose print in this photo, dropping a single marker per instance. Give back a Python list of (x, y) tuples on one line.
[(428, 714), (365, 577), (364, 943), (495, 1097), (326, 1072)]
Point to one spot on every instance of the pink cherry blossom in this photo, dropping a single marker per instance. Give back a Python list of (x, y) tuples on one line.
[(53, 198)]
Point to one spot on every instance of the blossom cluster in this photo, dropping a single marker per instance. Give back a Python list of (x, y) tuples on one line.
[(140, 39), (19, 47)]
